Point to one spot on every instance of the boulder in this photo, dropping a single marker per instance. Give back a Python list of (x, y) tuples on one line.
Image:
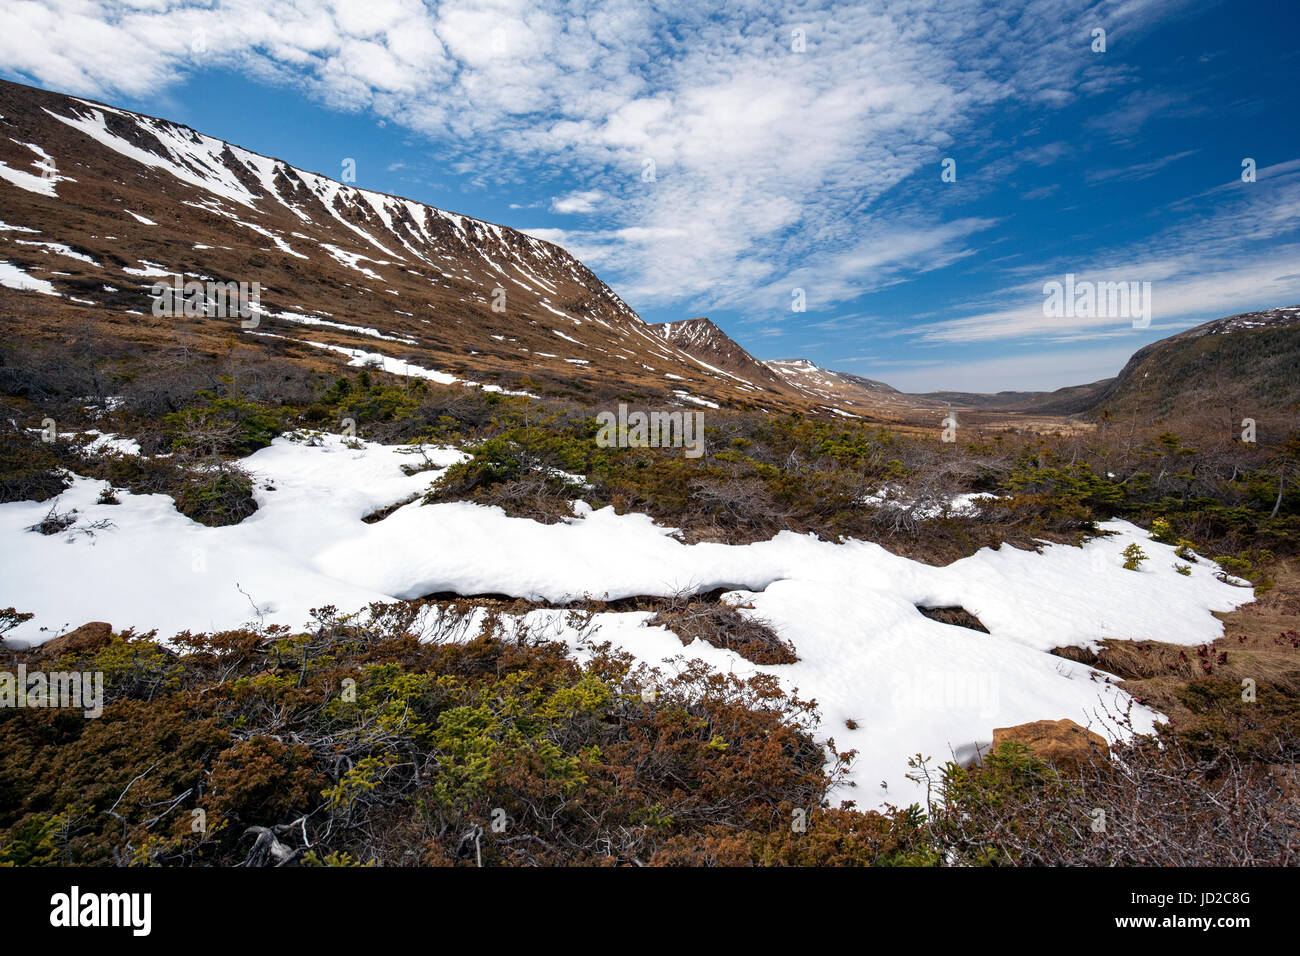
[(1062, 743), (83, 641)]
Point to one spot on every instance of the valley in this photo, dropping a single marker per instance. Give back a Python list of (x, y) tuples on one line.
[(264, 433)]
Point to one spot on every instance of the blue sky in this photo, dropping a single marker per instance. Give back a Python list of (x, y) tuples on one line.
[(795, 145)]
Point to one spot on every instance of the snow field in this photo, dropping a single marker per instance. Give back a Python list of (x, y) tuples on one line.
[(866, 654)]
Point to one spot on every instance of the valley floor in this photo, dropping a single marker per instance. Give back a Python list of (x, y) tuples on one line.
[(889, 681)]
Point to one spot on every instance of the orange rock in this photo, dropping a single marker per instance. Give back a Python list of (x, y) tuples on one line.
[(86, 639), (1062, 743)]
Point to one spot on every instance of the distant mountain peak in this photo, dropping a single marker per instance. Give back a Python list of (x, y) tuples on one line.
[(807, 372), (703, 340)]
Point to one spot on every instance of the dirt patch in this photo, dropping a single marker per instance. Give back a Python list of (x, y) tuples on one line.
[(704, 616), (379, 514), (957, 616)]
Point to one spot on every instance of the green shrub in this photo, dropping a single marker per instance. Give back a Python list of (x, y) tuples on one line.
[(222, 496), (1133, 557), (224, 426)]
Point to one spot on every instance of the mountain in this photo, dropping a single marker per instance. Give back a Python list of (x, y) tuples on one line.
[(99, 204), (705, 341), (804, 374), (797, 380), (840, 391), (1246, 361), (102, 208), (1069, 400)]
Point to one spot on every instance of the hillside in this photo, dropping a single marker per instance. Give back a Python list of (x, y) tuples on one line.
[(840, 391), (1249, 362), (99, 204), (1068, 400), (704, 340)]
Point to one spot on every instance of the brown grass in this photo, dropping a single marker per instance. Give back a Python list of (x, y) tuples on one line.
[(722, 625), (1260, 642)]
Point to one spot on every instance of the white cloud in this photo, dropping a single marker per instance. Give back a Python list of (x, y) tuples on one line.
[(579, 202), (559, 237), (1233, 259), (1138, 171), (768, 163)]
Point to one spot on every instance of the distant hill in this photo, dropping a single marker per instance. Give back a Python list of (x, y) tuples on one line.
[(1247, 360), (840, 390), (1251, 360), (797, 381), (1070, 400)]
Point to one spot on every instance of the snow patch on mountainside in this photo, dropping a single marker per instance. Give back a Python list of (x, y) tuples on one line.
[(12, 277), (43, 184)]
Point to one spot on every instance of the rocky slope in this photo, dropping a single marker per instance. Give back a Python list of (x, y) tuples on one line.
[(704, 340), (840, 391), (98, 204)]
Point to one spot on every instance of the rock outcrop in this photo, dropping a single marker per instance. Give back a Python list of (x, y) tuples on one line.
[(1062, 743)]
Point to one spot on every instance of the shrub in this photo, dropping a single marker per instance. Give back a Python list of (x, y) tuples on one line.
[(29, 468), (216, 496), (432, 743), (1133, 557), (1155, 805), (724, 626), (223, 426)]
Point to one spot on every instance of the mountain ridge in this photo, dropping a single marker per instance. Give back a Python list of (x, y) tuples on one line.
[(99, 202)]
